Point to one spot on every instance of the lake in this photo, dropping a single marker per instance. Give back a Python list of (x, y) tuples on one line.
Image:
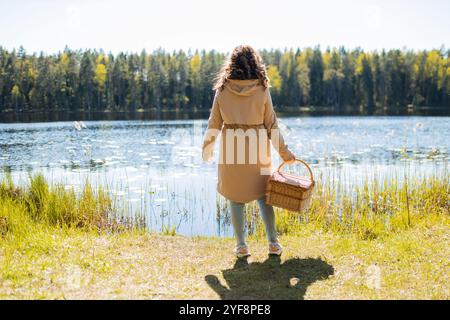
[(155, 167)]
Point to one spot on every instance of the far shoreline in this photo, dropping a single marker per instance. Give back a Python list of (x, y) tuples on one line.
[(193, 114)]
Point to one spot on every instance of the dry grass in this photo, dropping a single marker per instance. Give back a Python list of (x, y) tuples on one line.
[(73, 264)]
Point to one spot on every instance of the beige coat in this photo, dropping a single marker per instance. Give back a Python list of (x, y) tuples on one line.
[(245, 105)]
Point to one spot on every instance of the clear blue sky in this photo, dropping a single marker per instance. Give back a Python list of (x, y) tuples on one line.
[(131, 25)]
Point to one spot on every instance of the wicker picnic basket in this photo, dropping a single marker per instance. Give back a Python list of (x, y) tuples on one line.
[(289, 191)]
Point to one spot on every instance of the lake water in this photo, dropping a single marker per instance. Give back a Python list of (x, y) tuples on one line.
[(155, 166)]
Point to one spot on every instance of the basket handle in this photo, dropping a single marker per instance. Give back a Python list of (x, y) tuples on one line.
[(304, 163)]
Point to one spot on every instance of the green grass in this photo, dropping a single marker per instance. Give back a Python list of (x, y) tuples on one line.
[(378, 208), (385, 240), (54, 205)]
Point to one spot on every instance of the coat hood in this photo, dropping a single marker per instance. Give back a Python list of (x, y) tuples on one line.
[(243, 87)]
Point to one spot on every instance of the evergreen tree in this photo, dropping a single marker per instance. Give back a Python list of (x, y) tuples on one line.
[(355, 82)]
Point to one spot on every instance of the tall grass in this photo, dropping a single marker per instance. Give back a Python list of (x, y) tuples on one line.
[(368, 211), (54, 205)]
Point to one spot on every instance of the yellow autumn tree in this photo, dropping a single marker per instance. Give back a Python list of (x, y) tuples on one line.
[(195, 63), (275, 78), (100, 76), (359, 63), (15, 92), (326, 58), (64, 60), (194, 66), (432, 63)]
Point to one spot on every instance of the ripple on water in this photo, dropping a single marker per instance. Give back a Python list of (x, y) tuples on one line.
[(81, 170), (119, 193), (111, 163), (191, 165)]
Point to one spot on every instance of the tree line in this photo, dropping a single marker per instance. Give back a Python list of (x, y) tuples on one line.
[(344, 81)]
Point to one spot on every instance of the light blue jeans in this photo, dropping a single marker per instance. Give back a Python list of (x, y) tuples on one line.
[(238, 220)]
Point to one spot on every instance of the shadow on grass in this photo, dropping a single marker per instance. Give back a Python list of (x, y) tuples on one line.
[(270, 279)]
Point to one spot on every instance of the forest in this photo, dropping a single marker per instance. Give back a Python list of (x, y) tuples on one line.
[(340, 80)]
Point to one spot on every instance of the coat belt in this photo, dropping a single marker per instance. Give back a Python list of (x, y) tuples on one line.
[(243, 126)]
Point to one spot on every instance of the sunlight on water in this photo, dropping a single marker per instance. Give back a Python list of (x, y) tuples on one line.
[(155, 166)]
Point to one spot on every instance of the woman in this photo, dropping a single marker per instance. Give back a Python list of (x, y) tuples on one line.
[(243, 113)]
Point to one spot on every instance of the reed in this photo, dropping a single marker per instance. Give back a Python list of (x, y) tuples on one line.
[(368, 211), (53, 205), (375, 208)]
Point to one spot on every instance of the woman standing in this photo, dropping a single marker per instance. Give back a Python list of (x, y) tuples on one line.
[(243, 113)]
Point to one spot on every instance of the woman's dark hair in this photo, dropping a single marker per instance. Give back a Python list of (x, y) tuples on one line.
[(244, 63)]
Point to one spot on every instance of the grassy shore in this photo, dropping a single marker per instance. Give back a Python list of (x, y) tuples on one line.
[(56, 244)]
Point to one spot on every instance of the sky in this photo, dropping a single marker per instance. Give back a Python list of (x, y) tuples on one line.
[(133, 25)]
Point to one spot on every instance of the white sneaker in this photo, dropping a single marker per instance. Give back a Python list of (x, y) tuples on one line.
[(275, 248), (241, 251)]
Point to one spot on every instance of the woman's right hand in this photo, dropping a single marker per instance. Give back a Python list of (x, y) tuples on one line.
[(291, 159)]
